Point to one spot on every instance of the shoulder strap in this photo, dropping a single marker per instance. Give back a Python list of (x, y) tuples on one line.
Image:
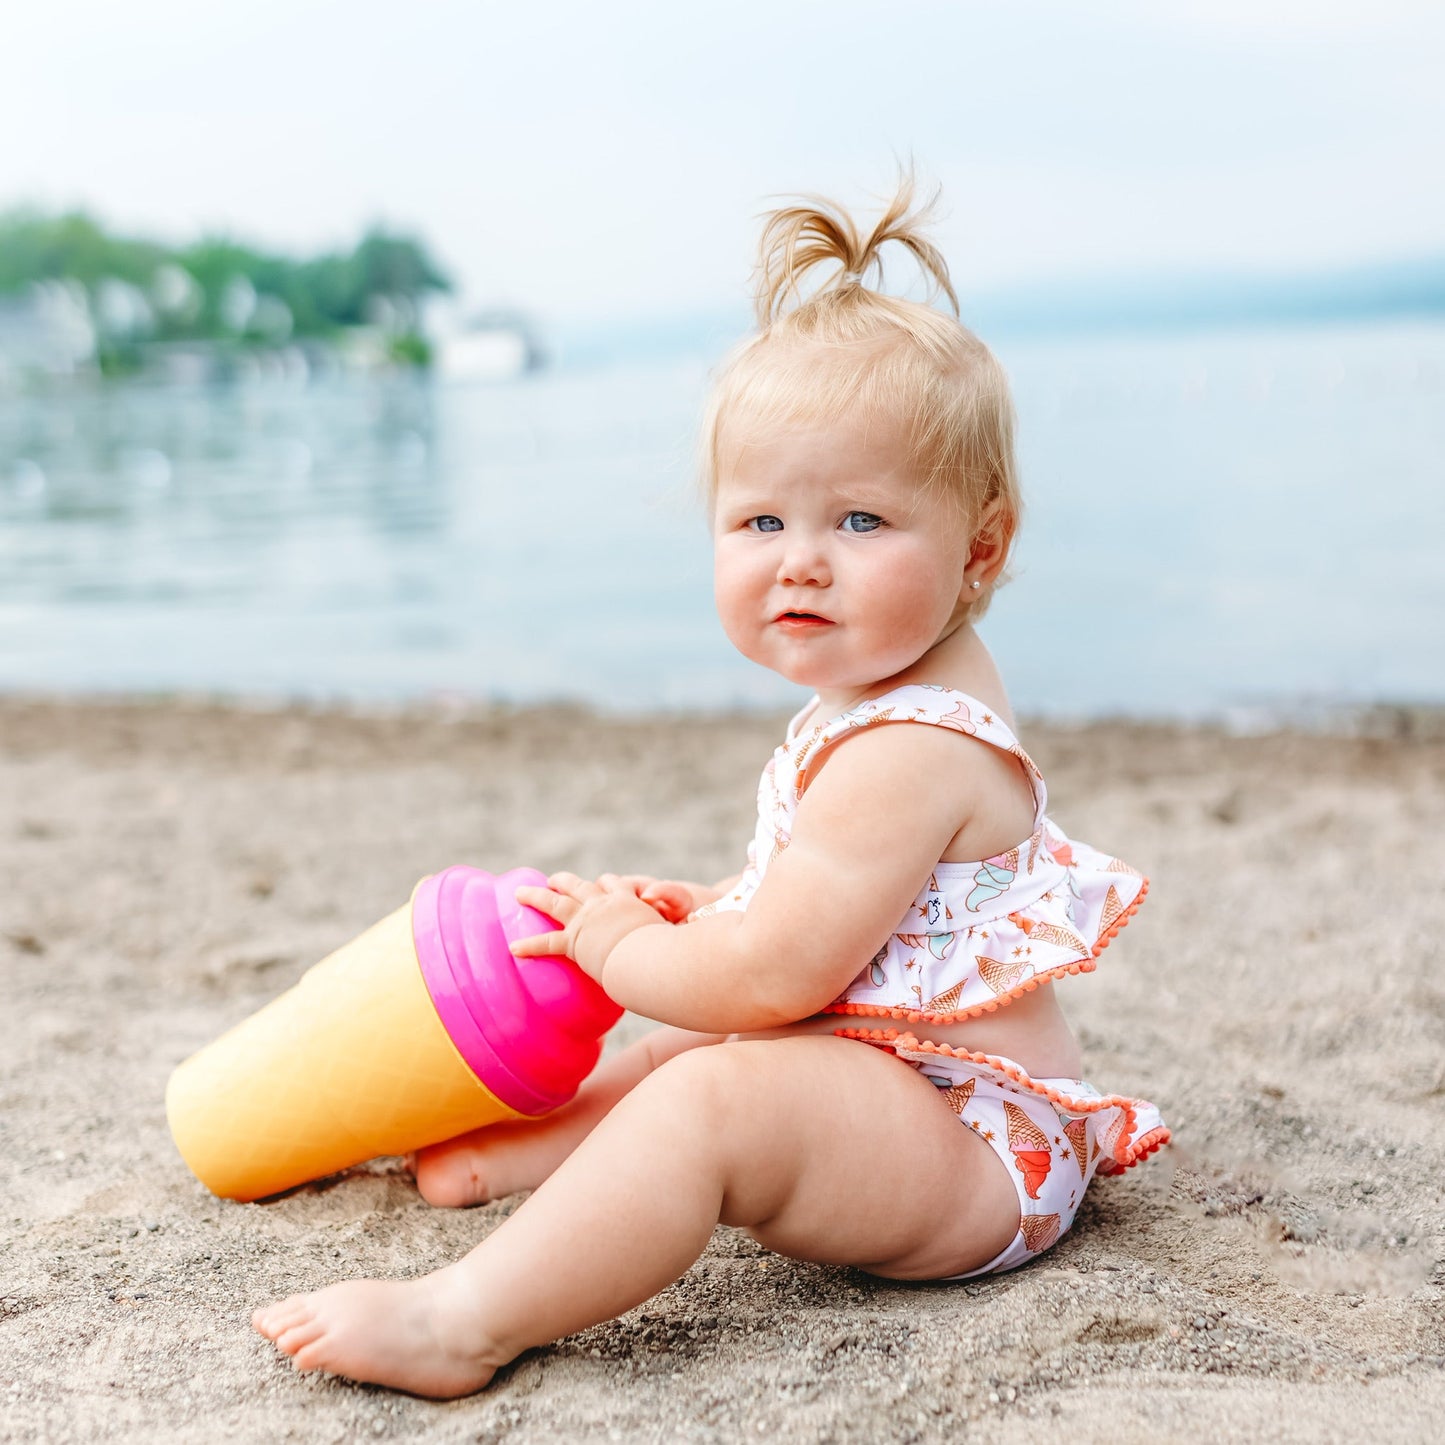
[(916, 703)]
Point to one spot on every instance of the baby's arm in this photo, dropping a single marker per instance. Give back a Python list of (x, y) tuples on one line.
[(869, 830)]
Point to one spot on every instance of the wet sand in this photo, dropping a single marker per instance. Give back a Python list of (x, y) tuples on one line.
[(1276, 1275)]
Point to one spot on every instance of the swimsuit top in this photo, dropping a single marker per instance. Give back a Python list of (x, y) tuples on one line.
[(978, 935)]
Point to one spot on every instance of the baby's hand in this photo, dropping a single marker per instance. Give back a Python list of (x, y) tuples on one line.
[(672, 899), (595, 918)]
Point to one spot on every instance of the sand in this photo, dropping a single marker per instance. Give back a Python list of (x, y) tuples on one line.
[(1276, 1275)]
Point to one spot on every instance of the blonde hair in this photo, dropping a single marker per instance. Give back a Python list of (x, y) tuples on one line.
[(848, 348)]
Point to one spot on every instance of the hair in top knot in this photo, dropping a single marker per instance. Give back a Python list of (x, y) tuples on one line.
[(797, 238), (845, 352)]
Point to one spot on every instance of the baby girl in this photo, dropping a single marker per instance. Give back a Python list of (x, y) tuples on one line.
[(862, 1061)]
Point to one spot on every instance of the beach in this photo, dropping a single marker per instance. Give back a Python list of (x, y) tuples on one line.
[(1275, 1275)]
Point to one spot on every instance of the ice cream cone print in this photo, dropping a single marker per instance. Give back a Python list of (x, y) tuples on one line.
[(1118, 865), (876, 976), (991, 881), (881, 716), (1030, 1148), (959, 719), (1060, 938), (1115, 1138), (1023, 1133), (959, 1095), (800, 759), (940, 945), (1034, 842), (1077, 1131), (947, 1001), (1002, 977), (1039, 1231), (1113, 910), (1062, 849)]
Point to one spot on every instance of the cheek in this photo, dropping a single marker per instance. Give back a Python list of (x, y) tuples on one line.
[(914, 591), (734, 587)]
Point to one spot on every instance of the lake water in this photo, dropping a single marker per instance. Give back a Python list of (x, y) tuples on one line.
[(1216, 521)]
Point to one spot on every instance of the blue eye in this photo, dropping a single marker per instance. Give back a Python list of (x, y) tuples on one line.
[(861, 523), (765, 523)]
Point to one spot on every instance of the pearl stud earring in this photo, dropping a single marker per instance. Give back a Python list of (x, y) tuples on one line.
[(974, 584)]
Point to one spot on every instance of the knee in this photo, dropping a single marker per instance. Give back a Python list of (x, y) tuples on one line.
[(706, 1089)]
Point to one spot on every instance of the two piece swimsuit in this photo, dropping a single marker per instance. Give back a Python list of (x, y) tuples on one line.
[(978, 936)]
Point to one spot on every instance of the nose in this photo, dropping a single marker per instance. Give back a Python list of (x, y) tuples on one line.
[(804, 562)]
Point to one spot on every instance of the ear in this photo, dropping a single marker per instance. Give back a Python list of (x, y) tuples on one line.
[(992, 537)]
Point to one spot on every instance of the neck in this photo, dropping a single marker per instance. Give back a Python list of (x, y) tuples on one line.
[(958, 638)]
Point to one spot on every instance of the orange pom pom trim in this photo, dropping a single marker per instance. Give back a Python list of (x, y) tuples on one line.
[(1128, 1152)]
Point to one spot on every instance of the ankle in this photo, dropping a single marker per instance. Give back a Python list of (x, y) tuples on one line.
[(469, 1324)]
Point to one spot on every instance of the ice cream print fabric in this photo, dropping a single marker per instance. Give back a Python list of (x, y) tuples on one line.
[(979, 933)]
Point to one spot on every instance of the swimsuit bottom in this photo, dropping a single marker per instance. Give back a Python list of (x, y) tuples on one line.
[(1053, 1135)]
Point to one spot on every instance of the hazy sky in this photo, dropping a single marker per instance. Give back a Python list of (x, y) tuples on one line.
[(606, 160)]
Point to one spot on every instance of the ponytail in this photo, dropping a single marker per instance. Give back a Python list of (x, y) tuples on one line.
[(799, 237)]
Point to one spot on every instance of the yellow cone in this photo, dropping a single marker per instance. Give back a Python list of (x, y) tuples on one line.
[(350, 1063)]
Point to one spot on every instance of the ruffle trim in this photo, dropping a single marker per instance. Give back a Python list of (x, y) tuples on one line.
[(1139, 1149), (1127, 1152), (924, 1016)]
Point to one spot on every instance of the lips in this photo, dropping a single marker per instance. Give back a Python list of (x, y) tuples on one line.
[(802, 620)]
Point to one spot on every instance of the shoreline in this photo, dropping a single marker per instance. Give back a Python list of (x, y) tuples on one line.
[(1392, 719), (172, 865)]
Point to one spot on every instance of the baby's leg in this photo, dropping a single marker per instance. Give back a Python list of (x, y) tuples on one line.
[(503, 1158), (824, 1149)]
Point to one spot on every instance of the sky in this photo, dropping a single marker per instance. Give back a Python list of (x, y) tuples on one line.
[(607, 162)]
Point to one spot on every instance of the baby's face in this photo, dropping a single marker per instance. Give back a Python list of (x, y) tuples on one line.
[(832, 566)]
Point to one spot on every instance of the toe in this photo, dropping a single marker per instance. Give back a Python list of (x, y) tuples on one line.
[(275, 1319), (294, 1341)]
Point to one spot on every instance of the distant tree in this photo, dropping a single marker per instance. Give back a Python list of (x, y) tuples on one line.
[(35, 247), (323, 294)]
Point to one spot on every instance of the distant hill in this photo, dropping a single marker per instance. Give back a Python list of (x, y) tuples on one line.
[(1401, 288), (1085, 305)]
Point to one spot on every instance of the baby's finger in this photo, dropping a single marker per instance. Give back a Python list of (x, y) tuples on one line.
[(539, 945), (544, 900), (570, 884), (670, 901)]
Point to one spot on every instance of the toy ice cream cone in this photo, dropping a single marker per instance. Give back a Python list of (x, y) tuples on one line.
[(422, 1028)]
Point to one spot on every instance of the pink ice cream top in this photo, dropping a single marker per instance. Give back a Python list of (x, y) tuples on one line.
[(529, 1029)]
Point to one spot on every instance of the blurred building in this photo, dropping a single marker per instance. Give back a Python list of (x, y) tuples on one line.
[(47, 330)]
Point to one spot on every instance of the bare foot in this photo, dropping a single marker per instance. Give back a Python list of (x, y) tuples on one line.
[(500, 1159), (424, 1336)]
